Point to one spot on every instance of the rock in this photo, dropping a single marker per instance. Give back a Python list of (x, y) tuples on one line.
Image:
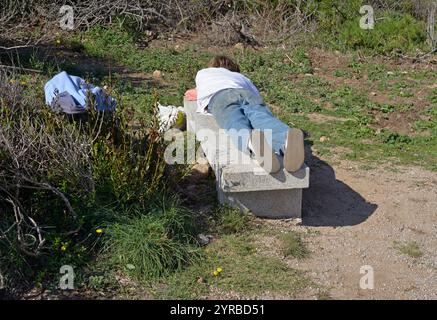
[(204, 239), (373, 93), (323, 139), (157, 74)]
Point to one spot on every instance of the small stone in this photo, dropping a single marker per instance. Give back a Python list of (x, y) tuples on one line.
[(203, 240), (323, 139), (157, 74), (200, 280), (373, 93), (390, 73)]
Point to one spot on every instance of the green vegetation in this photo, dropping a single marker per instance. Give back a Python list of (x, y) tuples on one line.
[(97, 194), (410, 249), (293, 246), (387, 35), (395, 30), (152, 245), (230, 220), (276, 73), (81, 178), (246, 273)]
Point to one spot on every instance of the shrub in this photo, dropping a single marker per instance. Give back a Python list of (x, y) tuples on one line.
[(61, 178), (394, 138), (153, 245), (394, 32)]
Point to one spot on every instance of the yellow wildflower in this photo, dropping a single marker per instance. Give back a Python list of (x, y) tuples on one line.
[(215, 273), (219, 269), (99, 231), (63, 247)]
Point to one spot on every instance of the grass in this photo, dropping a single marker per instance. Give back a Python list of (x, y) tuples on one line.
[(156, 245), (246, 273), (411, 249), (385, 38), (276, 73), (149, 246), (230, 220), (293, 246)]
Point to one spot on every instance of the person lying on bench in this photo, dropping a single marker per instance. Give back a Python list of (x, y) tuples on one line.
[(238, 108)]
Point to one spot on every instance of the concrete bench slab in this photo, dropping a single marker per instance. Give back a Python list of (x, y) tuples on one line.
[(242, 182)]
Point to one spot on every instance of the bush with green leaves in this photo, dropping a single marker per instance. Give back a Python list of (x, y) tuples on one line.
[(153, 245), (63, 181), (399, 25), (393, 32)]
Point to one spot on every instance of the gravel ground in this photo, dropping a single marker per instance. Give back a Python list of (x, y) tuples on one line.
[(356, 218)]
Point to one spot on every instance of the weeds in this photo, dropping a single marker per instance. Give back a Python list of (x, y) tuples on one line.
[(245, 273), (62, 179), (153, 245), (230, 220), (410, 249), (293, 246), (385, 38)]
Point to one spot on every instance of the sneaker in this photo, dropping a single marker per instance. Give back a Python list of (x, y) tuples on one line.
[(263, 153), (294, 156)]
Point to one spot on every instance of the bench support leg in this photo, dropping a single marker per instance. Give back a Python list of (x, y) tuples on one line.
[(272, 204)]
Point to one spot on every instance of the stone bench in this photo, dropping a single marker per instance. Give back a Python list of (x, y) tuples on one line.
[(240, 181)]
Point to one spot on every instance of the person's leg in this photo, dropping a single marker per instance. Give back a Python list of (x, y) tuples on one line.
[(226, 107), (285, 140), (261, 118)]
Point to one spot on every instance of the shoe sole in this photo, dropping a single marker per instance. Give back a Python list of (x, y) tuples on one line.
[(294, 150), (264, 154)]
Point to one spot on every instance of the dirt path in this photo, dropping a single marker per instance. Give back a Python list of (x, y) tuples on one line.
[(359, 218)]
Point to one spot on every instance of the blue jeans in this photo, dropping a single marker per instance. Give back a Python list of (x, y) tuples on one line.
[(240, 109)]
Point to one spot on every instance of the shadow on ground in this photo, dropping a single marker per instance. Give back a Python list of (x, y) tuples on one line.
[(49, 59), (331, 202)]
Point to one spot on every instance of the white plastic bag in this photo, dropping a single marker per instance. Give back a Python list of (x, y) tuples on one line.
[(168, 116)]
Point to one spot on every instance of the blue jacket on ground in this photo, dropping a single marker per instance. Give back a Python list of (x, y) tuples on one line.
[(78, 90)]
